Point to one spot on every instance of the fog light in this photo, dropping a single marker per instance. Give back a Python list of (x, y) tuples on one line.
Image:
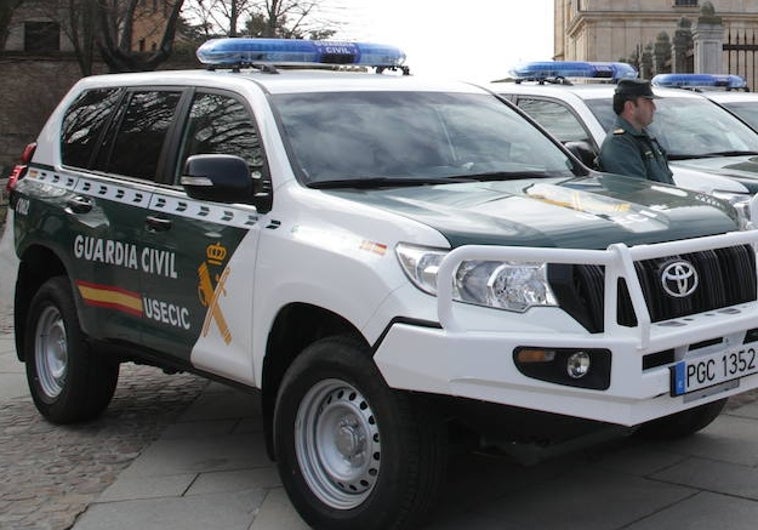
[(578, 364)]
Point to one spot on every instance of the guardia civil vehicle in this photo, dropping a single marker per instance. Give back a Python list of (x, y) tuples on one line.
[(393, 264), (729, 91), (708, 148)]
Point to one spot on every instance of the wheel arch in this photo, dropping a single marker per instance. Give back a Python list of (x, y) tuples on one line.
[(294, 327), (37, 265)]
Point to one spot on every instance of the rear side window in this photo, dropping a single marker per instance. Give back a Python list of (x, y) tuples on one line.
[(220, 124), (142, 133), (83, 125), (556, 118)]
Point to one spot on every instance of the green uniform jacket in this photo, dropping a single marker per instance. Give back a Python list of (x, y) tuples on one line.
[(626, 151)]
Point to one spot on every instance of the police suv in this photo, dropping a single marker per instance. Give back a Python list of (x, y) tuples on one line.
[(729, 91), (388, 261), (708, 148)]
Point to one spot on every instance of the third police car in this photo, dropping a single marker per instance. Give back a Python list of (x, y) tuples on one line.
[(387, 260)]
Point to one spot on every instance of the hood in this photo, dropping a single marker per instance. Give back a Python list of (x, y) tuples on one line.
[(583, 212), (743, 168)]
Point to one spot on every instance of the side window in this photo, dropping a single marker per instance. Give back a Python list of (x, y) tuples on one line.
[(220, 124), (556, 118), (83, 124), (142, 132)]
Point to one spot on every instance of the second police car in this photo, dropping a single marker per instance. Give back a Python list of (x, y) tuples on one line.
[(709, 149), (388, 260)]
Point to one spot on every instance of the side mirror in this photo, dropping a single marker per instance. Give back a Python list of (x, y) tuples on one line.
[(219, 178)]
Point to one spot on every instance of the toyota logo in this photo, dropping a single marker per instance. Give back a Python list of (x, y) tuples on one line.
[(679, 279)]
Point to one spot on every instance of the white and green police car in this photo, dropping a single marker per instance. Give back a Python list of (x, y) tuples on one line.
[(708, 148), (387, 260), (729, 91)]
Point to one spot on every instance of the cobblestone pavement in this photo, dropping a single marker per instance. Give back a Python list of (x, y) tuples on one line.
[(49, 473)]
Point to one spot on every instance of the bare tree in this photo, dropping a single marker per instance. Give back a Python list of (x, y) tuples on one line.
[(116, 23), (261, 18), (219, 16), (110, 27)]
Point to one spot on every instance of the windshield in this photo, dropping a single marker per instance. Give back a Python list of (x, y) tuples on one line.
[(747, 110), (411, 138), (689, 127)]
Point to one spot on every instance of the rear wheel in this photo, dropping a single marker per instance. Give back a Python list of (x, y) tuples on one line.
[(353, 453), (682, 423), (67, 382)]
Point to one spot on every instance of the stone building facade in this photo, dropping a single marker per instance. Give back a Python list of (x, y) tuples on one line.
[(612, 30)]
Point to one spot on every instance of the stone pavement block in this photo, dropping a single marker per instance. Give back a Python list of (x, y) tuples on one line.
[(9, 363), (635, 457), (8, 347), (746, 411), (276, 513), (227, 511), (714, 476), (704, 511), (198, 455), (583, 500), (244, 479), (198, 429), (222, 402), (729, 439), (127, 489), (13, 386)]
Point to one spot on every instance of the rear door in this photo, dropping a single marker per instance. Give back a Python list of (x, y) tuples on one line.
[(116, 191)]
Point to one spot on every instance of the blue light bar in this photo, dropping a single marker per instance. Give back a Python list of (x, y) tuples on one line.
[(234, 51), (544, 70), (728, 81)]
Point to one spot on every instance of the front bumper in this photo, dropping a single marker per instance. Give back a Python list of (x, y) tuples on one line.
[(463, 360)]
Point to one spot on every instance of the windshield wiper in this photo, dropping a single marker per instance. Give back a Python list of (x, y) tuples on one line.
[(716, 154), (505, 175), (386, 182)]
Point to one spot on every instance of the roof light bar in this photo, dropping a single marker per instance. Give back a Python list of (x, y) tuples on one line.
[(545, 70), (728, 82), (235, 51)]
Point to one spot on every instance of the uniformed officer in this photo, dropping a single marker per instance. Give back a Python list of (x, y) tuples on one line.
[(629, 149)]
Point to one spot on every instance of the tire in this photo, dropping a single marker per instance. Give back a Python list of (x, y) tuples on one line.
[(681, 424), (68, 383), (353, 453)]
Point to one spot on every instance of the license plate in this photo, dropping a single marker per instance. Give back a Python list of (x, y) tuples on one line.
[(701, 372)]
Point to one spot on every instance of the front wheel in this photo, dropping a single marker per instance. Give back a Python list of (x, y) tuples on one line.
[(682, 423), (67, 382), (353, 453)]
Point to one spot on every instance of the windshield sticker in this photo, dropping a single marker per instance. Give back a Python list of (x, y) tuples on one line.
[(210, 292)]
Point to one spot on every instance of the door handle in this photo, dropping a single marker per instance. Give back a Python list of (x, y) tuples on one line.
[(157, 224), (79, 204)]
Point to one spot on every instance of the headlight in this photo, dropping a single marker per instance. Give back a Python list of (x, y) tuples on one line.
[(740, 202), (514, 286)]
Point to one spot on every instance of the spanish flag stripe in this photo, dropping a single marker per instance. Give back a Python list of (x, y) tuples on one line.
[(111, 297)]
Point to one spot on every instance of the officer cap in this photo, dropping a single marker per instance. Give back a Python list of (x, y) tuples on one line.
[(635, 88)]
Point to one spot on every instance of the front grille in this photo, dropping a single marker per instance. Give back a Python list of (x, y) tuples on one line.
[(726, 278)]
